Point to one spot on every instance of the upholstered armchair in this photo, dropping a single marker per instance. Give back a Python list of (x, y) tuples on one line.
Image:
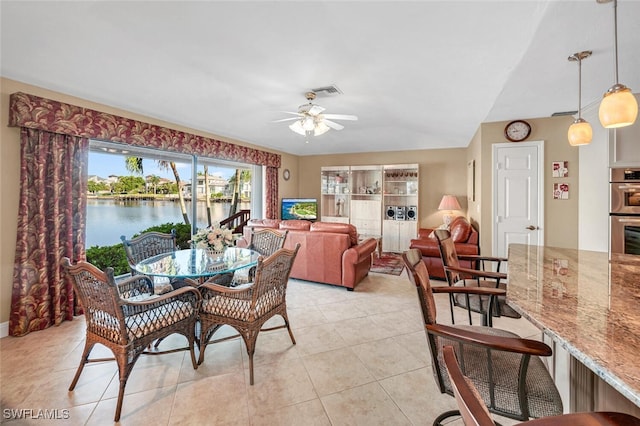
[(464, 236)]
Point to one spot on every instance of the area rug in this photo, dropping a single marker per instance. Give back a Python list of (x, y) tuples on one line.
[(388, 263)]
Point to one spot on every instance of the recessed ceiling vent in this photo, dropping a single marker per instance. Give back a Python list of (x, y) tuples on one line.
[(327, 90)]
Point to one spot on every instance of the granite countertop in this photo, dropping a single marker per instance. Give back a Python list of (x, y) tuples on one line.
[(586, 303)]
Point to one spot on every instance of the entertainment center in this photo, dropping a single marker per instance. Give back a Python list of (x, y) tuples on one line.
[(379, 200)]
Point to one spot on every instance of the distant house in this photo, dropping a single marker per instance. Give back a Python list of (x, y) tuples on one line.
[(154, 182), (111, 179), (216, 183), (108, 182)]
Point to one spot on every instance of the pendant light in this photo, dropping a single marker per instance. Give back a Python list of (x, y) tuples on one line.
[(619, 107), (580, 132)]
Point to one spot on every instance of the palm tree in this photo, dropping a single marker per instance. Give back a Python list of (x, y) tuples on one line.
[(166, 165), (237, 180), (154, 180), (134, 165), (206, 193)]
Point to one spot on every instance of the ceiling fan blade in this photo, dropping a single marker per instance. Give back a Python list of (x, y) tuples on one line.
[(333, 124), (285, 119), (341, 117)]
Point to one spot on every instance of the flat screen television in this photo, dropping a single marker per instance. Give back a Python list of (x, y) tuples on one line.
[(299, 208)]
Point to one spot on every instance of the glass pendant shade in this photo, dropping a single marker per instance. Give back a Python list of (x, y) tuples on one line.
[(297, 127), (321, 129), (618, 108), (308, 124), (580, 133), (307, 127)]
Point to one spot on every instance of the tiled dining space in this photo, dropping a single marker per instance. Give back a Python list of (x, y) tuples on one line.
[(361, 358)]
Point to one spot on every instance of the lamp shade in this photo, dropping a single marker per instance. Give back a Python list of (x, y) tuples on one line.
[(449, 202), (320, 129), (297, 127), (618, 108), (580, 133)]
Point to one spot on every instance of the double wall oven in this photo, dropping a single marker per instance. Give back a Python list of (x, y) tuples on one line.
[(624, 211)]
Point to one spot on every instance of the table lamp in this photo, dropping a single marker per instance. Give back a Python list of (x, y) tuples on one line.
[(449, 203)]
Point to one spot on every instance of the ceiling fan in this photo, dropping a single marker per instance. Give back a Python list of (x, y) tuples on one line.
[(311, 121)]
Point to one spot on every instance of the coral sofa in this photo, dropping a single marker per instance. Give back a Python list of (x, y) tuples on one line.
[(329, 252), (465, 239)]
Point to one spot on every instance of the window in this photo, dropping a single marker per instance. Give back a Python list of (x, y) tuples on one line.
[(125, 200)]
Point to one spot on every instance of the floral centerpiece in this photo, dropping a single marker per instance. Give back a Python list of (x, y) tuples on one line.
[(214, 239)]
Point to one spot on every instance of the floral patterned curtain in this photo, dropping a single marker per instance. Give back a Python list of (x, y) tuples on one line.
[(52, 116), (271, 193), (51, 225), (51, 217)]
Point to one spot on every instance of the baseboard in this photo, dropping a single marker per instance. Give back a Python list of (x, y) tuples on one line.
[(4, 329)]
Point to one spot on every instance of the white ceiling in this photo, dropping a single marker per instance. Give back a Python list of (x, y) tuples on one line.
[(419, 74)]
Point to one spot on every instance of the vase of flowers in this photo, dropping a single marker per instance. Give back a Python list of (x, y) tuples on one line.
[(214, 239)]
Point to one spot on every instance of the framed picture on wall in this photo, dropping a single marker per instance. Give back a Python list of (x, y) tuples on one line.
[(560, 169), (471, 180), (560, 191)]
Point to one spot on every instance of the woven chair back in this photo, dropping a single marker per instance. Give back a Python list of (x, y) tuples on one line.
[(99, 299), (272, 276), (147, 245), (267, 241)]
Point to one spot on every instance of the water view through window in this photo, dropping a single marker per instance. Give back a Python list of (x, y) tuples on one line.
[(108, 219), (127, 196)]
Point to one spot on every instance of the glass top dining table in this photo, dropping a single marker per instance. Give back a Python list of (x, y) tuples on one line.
[(197, 263)]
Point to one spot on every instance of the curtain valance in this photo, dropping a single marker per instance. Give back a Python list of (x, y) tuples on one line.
[(57, 117)]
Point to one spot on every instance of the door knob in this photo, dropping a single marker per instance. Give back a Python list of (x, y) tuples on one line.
[(532, 228)]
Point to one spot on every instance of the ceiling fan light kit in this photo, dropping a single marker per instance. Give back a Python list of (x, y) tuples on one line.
[(311, 122), (619, 107), (580, 132)]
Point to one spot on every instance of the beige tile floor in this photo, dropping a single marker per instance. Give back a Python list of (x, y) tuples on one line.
[(361, 358)]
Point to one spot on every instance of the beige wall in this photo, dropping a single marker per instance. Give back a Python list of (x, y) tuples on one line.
[(10, 172), (441, 171), (560, 216), (474, 153)]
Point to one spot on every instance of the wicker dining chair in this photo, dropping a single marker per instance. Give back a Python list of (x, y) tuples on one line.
[(147, 245), (127, 317), (266, 242), (507, 370), (475, 413), (459, 276), (247, 307)]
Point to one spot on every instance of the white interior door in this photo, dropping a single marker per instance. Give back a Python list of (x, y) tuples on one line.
[(518, 195)]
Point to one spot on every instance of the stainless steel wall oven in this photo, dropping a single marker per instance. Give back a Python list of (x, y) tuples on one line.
[(624, 211)]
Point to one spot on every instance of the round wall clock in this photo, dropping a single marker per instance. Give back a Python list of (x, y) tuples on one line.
[(517, 130), (286, 174)]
